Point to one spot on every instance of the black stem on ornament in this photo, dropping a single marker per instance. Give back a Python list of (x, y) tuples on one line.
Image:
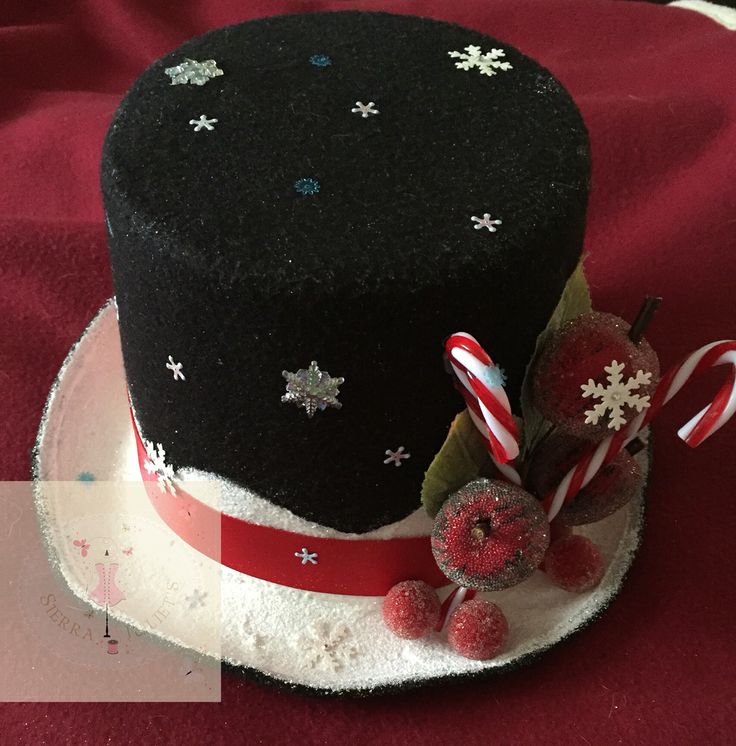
[(529, 456), (644, 318)]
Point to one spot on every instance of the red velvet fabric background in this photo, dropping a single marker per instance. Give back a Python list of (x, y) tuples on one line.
[(655, 85)]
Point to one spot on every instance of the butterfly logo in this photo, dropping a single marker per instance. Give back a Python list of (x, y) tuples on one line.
[(83, 546)]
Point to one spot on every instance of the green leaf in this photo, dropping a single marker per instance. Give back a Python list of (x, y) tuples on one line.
[(462, 458), (575, 300)]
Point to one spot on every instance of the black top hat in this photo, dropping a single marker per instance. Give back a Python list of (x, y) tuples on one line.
[(345, 188)]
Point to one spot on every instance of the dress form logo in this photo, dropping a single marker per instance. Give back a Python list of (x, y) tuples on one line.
[(90, 593), (82, 627)]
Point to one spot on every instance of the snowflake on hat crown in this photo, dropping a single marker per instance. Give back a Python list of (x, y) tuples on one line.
[(312, 389), (487, 63), (191, 71)]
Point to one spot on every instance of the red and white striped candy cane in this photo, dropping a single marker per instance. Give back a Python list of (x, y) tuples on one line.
[(456, 597), (486, 400), (694, 432)]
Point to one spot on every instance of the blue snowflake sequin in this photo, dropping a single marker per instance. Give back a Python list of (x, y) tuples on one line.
[(320, 60), (495, 377), (86, 476), (306, 186)]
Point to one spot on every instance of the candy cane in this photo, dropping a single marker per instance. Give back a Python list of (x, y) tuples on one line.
[(487, 402), (694, 432)]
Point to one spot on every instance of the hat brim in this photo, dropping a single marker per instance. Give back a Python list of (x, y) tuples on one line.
[(265, 628)]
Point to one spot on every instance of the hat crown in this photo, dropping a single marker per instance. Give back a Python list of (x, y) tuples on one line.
[(299, 230)]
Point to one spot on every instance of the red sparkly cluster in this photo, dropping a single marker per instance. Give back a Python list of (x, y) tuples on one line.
[(476, 629), (490, 534), (577, 352)]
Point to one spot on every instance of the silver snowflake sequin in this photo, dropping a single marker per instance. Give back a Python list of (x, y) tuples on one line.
[(616, 395), (329, 647), (191, 71), (485, 222), (487, 63), (365, 109), (306, 556), (397, 456), (203, 123), (156, 464), (312, 389)]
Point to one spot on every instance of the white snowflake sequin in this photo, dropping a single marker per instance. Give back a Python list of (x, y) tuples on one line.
[(196, 599), (176, 369), (156, 464), (397, 456), (616, 395), (191, 71), (485, 222), (365, 110), (328, 647), (203, 123), (487, 63), (249, 637), (306, 556), (312, 389)]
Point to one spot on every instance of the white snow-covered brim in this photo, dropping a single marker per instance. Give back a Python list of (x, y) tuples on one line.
[(324, 642)]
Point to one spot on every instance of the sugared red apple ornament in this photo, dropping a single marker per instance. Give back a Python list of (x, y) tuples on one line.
[(609, 490), (579, 353), (490, 535)]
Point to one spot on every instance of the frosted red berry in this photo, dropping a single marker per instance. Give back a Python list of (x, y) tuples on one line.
[(477, 629), (609, 490), (574, 563), (411, 609), (490, 535), (577, 352)]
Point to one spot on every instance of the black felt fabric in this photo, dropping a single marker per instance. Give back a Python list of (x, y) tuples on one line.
[(218, 261)]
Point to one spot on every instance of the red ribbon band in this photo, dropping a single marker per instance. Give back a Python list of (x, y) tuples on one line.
[(353, 567)]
